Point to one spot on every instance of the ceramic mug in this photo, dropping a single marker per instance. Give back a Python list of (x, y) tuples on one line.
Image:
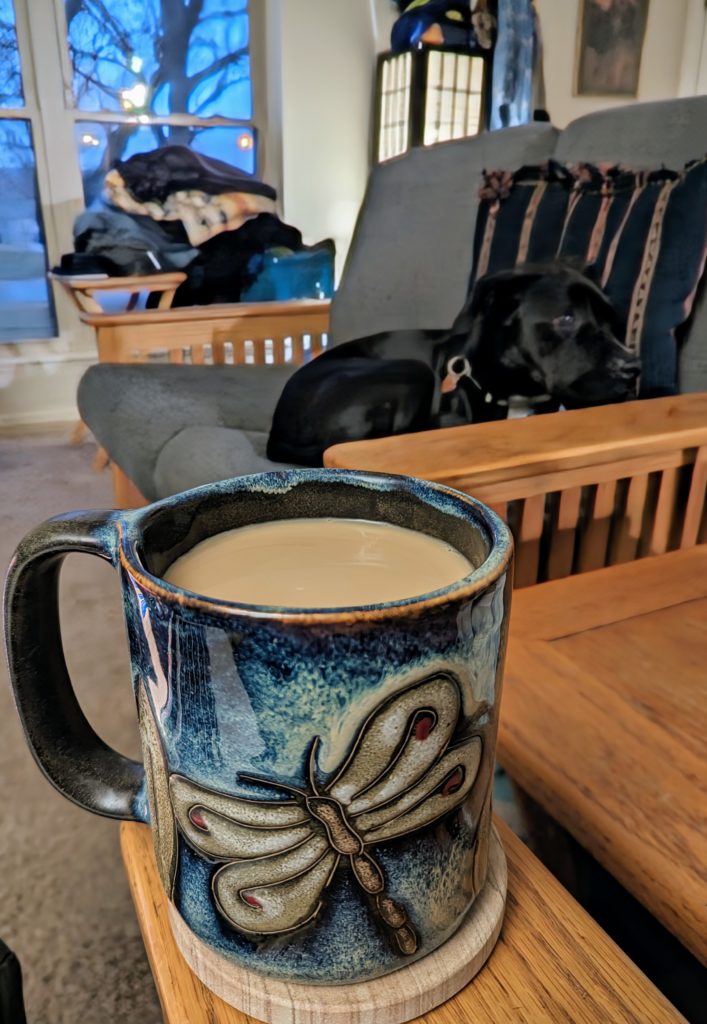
[(318, 782)]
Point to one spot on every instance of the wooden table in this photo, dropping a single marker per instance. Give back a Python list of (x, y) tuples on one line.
[(604, 719), (552, 962)]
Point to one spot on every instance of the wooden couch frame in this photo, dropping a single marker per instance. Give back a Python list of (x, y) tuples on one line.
[(580, 490), (234, 334)]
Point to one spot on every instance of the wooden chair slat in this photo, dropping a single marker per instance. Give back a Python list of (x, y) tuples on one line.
[(561, 556), (665, 512), (595, 540), (528, 541), (278, 351), (628, 522), (258, 351), (649, 510), (696, 508)]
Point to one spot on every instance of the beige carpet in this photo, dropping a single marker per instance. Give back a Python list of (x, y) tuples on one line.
[(65, 908)]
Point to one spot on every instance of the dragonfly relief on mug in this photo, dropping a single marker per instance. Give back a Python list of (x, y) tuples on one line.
[(406, 769)]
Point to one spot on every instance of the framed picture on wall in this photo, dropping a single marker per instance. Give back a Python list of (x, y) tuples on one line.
[(610, 43)]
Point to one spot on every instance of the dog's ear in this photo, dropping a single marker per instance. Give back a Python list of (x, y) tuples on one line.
[(602, 307), (493, 295)]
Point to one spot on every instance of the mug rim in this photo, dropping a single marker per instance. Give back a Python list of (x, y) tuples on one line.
[(463, 505)]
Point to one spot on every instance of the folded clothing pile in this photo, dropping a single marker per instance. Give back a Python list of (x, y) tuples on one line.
[(175, 209)]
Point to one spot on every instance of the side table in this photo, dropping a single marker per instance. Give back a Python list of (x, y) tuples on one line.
[(552, 963)]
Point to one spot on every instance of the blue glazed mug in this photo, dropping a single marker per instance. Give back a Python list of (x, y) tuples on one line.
[(318, 783)]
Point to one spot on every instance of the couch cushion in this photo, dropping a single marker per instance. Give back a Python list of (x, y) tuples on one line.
[(134, 410), (202, 455), (644, 233), (411, 253), (643, 135)]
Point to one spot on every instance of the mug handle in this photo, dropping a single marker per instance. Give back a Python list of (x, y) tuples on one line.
[(72, 756)]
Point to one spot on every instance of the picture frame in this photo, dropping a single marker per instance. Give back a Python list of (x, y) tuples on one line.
[(610, 41)]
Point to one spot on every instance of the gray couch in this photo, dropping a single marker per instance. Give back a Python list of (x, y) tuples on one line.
[(408, 267)]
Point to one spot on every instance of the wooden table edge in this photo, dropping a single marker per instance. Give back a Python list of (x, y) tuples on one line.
[(590, 600), (171, 972)]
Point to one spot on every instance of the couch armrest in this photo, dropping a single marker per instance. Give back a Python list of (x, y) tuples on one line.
[(477, 457), (580, 490), (133, 336), (134, 409)]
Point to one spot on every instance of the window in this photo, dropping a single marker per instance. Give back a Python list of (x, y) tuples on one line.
[(26, 306), (129, 76)]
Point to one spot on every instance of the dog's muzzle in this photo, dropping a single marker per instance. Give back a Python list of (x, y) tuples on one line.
[(616, 383)]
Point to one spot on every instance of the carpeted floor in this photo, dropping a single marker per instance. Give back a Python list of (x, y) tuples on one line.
[(65, 908)]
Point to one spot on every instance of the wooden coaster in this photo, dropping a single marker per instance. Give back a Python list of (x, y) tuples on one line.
[(392, 999)]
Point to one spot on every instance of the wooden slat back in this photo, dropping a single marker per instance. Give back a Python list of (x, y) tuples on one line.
[(583, 527), (235, 351), (694, 524), (285, 349), (240, 333), (580, 490)]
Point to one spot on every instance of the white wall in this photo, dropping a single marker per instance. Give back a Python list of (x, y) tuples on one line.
[(693, 77), (660, 66), (327, 54)]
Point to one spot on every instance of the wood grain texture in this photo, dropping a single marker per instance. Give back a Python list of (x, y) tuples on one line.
[(594, 541), (695, 509), (582, 490), (561, 554), (294, 311), (603, 721), (492, 452), (125, 492), (528, 538), (551, 964), (402, 996), (133, 336)]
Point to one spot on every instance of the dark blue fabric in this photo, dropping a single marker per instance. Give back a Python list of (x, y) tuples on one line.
[(408, 30), (564, 224), (677, 275), (513, 194), (297, 275)]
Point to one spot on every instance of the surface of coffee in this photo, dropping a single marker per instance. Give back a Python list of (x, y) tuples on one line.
[(318, 563)]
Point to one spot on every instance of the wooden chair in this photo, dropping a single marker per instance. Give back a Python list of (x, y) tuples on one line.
[(580, 490), (236, 334), (245, 334), (184, 334)]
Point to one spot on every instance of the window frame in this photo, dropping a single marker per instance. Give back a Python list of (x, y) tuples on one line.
[(47, 80)]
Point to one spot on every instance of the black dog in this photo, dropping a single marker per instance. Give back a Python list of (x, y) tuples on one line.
[(545, 333)]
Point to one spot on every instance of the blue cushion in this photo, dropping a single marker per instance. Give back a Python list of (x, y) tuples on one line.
[(643, 232)]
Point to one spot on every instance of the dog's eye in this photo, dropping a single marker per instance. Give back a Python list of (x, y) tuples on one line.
[(566, 320)]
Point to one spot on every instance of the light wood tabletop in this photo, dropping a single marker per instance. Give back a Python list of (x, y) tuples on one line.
[(552, 962), (604, 718)]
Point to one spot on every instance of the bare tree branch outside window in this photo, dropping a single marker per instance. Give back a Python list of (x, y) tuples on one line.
[(157, 58)]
